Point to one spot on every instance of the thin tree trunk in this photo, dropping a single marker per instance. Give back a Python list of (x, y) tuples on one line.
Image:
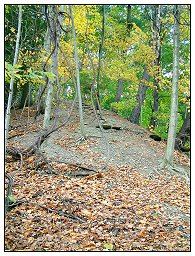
[(156, 27), (58, 32), (129, 23), (7, 117), (135, 114), (48, 104), (153, 119), (40, 106), (49, 96), (169, 153), (26, 98), (100, 56), (119, 90), (77, 74), (121, 80)]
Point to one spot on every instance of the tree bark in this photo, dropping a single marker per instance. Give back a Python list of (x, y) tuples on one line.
[(58, 32), (26, 98), (54, 37), (77, 74), (121, 80), (40, 106), (7, 117), (169, 153), (119, 90), (184, 133), (153, 119), (49, 96), (156, 27), (100, 57), (129, 23), (135, 114)]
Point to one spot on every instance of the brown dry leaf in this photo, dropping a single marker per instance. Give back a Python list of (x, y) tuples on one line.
[(136, 245), (27, 232), (86, 212), (30, 160), (143, 221), (140, 212)]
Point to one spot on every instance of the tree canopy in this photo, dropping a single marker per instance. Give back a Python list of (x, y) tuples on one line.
[(128, 48)]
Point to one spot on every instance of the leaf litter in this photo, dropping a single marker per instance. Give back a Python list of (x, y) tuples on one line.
[(122, 208), (119, 209)]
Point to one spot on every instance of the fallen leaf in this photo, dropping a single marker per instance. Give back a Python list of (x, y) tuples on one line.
[(108, 247)]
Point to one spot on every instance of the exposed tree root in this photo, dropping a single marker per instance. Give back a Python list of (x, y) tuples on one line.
[(177, 171), (60, 212), (83, 168), (8, 193), (16, 153)]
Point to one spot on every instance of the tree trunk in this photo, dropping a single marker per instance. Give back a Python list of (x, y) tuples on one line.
[(7, 117), (100, 57), (49, 96), (59, 26), (156, 27), (169, 153), (153, 119), (121, 80), (26, 98), (135, 114), (119, 90), (53, 25), (58, 32), (184, 134), (129, 23), (40, 106), (77, 74)]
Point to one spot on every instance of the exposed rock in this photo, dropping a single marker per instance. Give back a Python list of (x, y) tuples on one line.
[(155, 137)]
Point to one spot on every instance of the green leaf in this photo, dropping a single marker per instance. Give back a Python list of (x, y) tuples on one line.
[(108, 247), (17, 66), (155, 214), (12, 198), (50, 75)]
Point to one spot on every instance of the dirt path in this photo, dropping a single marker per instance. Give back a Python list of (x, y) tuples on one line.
[(131, 145)]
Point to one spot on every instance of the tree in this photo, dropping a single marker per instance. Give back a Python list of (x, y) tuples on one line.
[(169, 153), (7, 117), (135, 114), (26, 97), (54, 34), (119, 90), (77, 74), (132, 69), (157, 41), (129, 23), (40, 109), (184, 134), (31, 41), (100, 57)]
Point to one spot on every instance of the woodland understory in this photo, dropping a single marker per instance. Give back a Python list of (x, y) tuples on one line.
[(97, 127)]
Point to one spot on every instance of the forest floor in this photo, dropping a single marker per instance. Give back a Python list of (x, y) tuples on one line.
[(108, 192)]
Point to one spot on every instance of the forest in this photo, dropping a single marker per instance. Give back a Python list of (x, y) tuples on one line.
[(97, 127)]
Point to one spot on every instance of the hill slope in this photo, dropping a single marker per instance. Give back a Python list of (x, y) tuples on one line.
[(105, 193)]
